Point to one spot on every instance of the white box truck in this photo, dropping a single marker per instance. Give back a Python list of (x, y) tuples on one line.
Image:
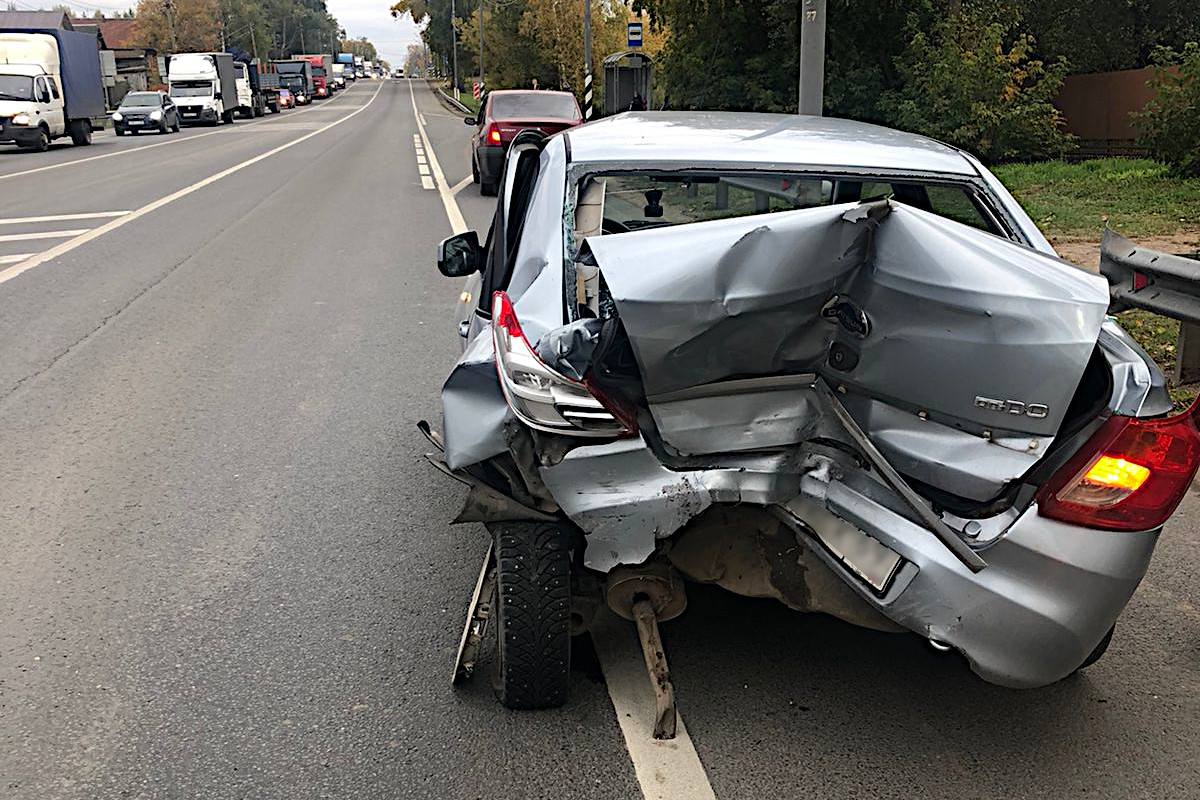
[(203, 86), (50, 86)]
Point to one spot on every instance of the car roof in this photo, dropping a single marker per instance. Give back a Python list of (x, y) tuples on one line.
[(784, 140), (501, 92)]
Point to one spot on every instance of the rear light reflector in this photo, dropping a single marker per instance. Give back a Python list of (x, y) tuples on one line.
[(1130, 476), (1140, 281), (541, 397)]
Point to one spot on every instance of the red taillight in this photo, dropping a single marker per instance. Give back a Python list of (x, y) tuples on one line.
[(492, 134), (1130, 476), (544, 398), (505, 316)]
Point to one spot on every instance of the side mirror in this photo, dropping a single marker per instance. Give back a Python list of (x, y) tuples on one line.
[(471, 121), (460, 255)]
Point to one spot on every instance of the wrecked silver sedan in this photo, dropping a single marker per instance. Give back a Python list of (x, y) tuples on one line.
[(801, 358)]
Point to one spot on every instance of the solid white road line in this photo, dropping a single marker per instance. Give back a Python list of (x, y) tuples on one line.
[(95, 233), (457, 223), (62, 217), (20, 237), (464, 183), (14, 258), (665, 770), (143, 148)]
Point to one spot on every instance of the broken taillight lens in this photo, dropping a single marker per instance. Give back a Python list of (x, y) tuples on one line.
[(541, 397), (1130, 476)]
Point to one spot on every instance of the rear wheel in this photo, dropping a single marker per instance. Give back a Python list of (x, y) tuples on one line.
[(474, 172), (1099, 651), (81, 132), (533, 614), (488, 189)]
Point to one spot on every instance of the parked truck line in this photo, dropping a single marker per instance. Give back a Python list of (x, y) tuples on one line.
[(50, 86)]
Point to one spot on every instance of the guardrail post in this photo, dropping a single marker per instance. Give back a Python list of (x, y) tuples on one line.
[(1187, 354), (722, 200)]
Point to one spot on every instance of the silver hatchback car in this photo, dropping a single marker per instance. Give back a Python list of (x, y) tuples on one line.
[(801, 358)]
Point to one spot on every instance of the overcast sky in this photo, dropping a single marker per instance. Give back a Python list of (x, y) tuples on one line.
[(370, 18)]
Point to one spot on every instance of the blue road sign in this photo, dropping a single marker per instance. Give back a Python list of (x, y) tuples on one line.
[(634, 35)]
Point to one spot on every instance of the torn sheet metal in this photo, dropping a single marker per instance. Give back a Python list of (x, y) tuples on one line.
[(738, 415), (926, 313), (473, 407), (968, 466), (623, 497)]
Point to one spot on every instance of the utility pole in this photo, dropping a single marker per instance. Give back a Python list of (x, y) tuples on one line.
[(303, 49), (587, 60), (482, 83), (254, 44), (169, 8), (454, 46), (812, 57)]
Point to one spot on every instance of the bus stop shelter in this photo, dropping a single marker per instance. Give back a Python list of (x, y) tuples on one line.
[(627, 77)]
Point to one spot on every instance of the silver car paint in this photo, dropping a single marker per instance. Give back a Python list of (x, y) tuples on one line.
[(955, 314), (1016, 627)]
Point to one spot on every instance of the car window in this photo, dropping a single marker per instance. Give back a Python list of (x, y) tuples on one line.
[(504, 237), (657, 199), (54, 90), (533, 104)]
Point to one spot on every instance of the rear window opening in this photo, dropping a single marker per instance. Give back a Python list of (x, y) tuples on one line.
[(527, 105), (632, 201)]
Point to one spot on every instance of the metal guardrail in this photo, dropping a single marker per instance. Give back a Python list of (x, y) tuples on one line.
[(1160, 282), (457, 105)]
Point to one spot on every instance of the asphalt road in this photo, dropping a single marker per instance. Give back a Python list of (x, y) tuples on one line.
[(226, 572)]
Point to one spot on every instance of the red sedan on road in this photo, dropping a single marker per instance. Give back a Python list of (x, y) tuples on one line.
[(503, 115)]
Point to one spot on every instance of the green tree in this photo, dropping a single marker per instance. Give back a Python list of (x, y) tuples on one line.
[(185, 26), (1170, 123), (972, 80)]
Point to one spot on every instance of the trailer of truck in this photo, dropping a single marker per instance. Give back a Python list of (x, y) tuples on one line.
[(50, 86)]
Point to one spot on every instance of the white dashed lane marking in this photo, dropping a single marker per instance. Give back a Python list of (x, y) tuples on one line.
[(422, 163), (665, 770)]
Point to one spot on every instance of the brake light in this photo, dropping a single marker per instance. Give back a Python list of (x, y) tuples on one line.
[(1130, 476), (492, 134), (540, 396)]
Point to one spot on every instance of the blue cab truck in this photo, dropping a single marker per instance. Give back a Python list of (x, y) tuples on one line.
[(348, 60)]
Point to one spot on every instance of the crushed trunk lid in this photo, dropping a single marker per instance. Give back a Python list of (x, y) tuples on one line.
[(958, 352)]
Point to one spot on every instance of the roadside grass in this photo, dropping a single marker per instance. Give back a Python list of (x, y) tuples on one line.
[(1137, 198)]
